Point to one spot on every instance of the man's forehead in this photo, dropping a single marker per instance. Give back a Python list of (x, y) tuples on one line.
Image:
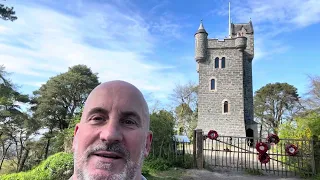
[(109, 97), (115, 88)]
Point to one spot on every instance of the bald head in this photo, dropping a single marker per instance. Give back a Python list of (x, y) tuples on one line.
[(115, 120), (118, 93)]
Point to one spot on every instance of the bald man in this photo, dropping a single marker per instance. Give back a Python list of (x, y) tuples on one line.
[(113, 136)]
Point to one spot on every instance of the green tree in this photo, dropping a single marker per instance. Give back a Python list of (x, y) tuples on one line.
[(16, 126), (161, 124), (58, 101), (275, 104), (7, 13)]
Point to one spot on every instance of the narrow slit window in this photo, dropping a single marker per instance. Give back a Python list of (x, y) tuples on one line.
[(213, 84), (223, 62), (225, 107), (216, 63)]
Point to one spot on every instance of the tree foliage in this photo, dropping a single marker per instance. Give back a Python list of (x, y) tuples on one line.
[(16, 126), (186, 111), (185, 94), (305, 125), (275, 103), (56, 167), (7, 13), (63, 96), (161, 124), (313, 95), (59, 100)]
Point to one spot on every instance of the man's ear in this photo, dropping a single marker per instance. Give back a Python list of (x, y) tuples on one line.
[(76, 129), (74, 136), (148, 144)]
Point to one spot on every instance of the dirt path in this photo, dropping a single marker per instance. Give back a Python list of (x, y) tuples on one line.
[(194, 174)]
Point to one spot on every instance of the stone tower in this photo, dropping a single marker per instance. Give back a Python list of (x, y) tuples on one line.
[(225, 95)]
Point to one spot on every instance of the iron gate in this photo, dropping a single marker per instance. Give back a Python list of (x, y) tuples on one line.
[(240, 153)]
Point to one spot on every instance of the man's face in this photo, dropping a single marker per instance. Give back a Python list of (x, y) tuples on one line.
[(112, 138)]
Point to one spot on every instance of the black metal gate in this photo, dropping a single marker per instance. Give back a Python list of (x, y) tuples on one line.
[(240, 153)]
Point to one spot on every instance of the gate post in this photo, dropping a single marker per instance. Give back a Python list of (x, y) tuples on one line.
[(194, 142), (316, 155), (199, 146)]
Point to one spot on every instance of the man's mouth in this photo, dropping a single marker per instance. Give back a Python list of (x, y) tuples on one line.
[(108, 154)]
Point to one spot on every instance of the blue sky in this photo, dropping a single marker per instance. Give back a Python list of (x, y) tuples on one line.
[(151, 43)]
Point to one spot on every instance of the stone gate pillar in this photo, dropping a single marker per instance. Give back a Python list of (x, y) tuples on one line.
[(198, 148)]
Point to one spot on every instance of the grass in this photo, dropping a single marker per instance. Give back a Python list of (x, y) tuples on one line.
[(171, 174), (7, 167)]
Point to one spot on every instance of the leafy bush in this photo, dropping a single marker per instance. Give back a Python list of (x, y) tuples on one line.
[(163, 154), (185, 161), (152, 165), (56, 167), (305, 126), (156, 164)]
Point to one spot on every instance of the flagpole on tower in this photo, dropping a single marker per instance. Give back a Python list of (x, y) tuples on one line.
[(229, 22)]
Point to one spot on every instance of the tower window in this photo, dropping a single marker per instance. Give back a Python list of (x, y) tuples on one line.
[(223, 62), (216, 63), (225, 107), (213, 84)]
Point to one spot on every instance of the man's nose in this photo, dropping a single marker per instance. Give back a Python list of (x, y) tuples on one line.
[(111, 132)]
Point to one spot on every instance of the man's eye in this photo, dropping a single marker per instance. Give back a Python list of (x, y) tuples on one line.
[(97, 118), (128, 122)]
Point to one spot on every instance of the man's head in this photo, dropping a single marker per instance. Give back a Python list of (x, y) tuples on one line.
[(113, 136)]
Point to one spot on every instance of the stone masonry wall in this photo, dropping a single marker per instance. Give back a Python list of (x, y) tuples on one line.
[(229, 86), (247, 90), (200, 46), (233, 83), (216, 44)]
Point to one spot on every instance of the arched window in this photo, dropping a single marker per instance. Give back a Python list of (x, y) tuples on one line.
[(225, 107), (223, 62), (216, 63), (213, 84)]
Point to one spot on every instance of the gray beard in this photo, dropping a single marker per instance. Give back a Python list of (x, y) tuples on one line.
[(129, 172)]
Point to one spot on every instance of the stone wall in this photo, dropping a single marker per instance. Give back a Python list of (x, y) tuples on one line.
[(217, 44), (229, 86), (233, 83), (247, 90)]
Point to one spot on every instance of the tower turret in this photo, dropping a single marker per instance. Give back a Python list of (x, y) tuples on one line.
[(241, 42), (201, 42)]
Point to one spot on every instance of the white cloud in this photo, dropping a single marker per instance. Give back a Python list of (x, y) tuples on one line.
[(308, 13), (3, 29), (294, 13), (35, 84), (114, 44), (271, 19)]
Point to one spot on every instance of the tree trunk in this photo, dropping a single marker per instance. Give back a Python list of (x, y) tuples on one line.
[(20, 152), (260, 130), (161, 148), (48, 143), (47, 148), (23, 160), (5, 150)]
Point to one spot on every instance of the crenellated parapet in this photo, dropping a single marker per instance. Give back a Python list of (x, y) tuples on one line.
[(230, 43)]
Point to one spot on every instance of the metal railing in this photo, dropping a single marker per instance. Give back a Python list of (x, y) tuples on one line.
[(239, 153)]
